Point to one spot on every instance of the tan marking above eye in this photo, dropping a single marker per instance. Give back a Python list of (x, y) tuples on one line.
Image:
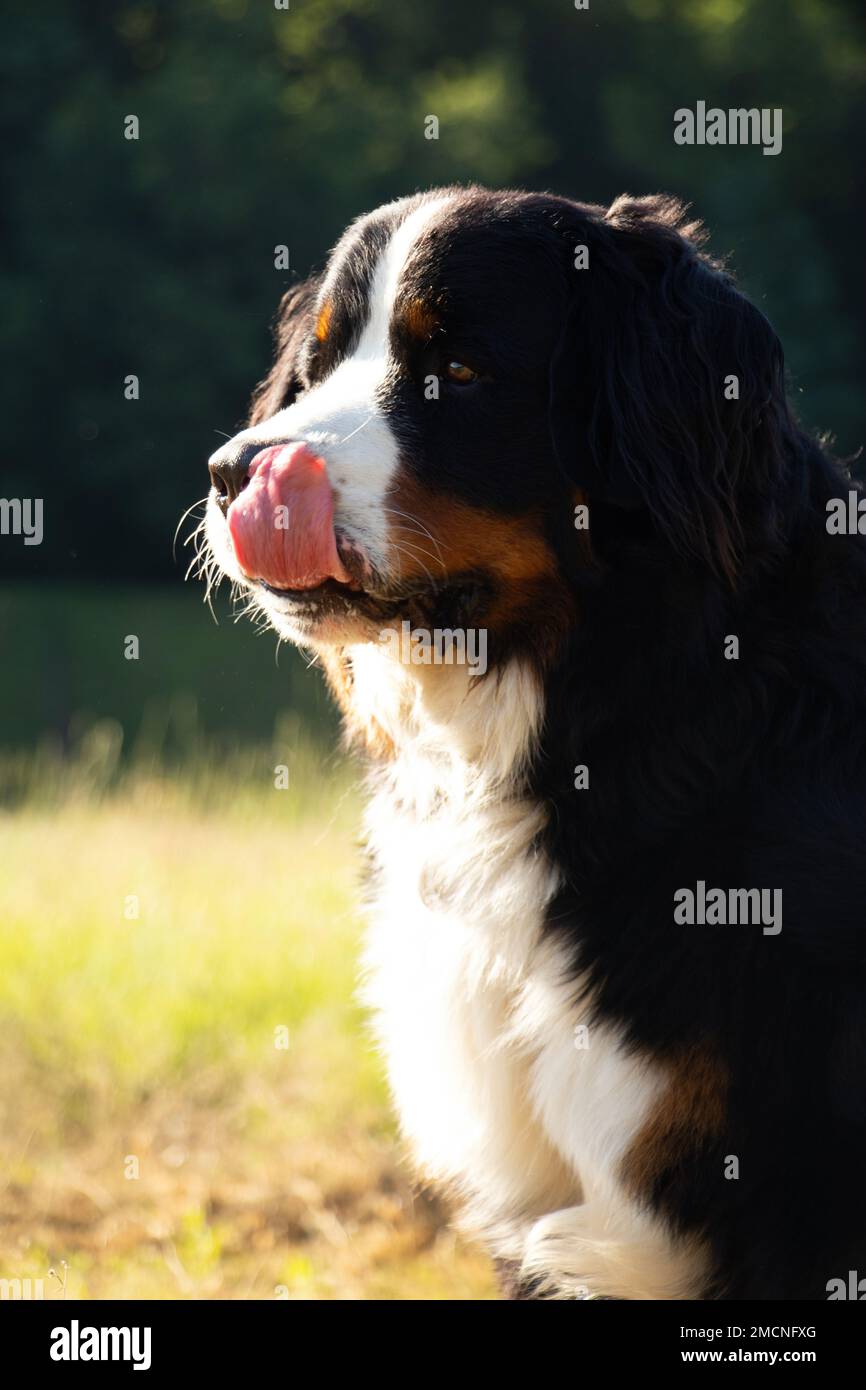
[(420, 320), (323, 322), (459, 372)]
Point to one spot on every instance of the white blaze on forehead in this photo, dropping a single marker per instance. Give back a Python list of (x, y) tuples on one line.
[(374, 340), (342, 418)]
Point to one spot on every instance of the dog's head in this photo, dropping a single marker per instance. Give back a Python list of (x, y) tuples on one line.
[(471, 371)]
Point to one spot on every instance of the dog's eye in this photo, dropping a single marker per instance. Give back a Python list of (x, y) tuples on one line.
[(459, 372)]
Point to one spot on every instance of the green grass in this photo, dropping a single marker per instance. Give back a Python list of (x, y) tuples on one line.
[(195, 682), (149, 1040)]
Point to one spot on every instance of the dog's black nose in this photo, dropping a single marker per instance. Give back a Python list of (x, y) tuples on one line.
[(229, 469)]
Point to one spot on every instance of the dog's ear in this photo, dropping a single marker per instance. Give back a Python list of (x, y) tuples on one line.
[(294, 328), (668, 385)]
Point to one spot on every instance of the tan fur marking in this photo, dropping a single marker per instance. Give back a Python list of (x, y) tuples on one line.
[(513, 551), (323, 322), (467, 537), (420, 320), (690, 1115)]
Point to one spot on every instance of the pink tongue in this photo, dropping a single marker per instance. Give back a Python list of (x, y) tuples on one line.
[(282, 524)]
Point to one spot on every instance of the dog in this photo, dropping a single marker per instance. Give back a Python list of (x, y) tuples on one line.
[(617, 870)]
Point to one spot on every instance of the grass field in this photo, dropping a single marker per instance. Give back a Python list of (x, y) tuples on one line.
[(190, 1106)]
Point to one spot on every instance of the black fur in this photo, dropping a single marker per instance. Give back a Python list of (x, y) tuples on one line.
[(746, 772)]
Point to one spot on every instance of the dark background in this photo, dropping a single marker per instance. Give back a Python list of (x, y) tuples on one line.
[(261, 127)]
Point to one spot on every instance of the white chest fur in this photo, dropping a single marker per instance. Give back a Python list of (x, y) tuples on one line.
[(475, 1007)]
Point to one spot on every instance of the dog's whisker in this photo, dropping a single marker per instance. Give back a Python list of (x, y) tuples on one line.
[(420, 548), (357, 430), (407, 516), (399, 549), (200, 502)]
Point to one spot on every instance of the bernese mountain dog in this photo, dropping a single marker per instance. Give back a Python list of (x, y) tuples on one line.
[(524, 478)]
